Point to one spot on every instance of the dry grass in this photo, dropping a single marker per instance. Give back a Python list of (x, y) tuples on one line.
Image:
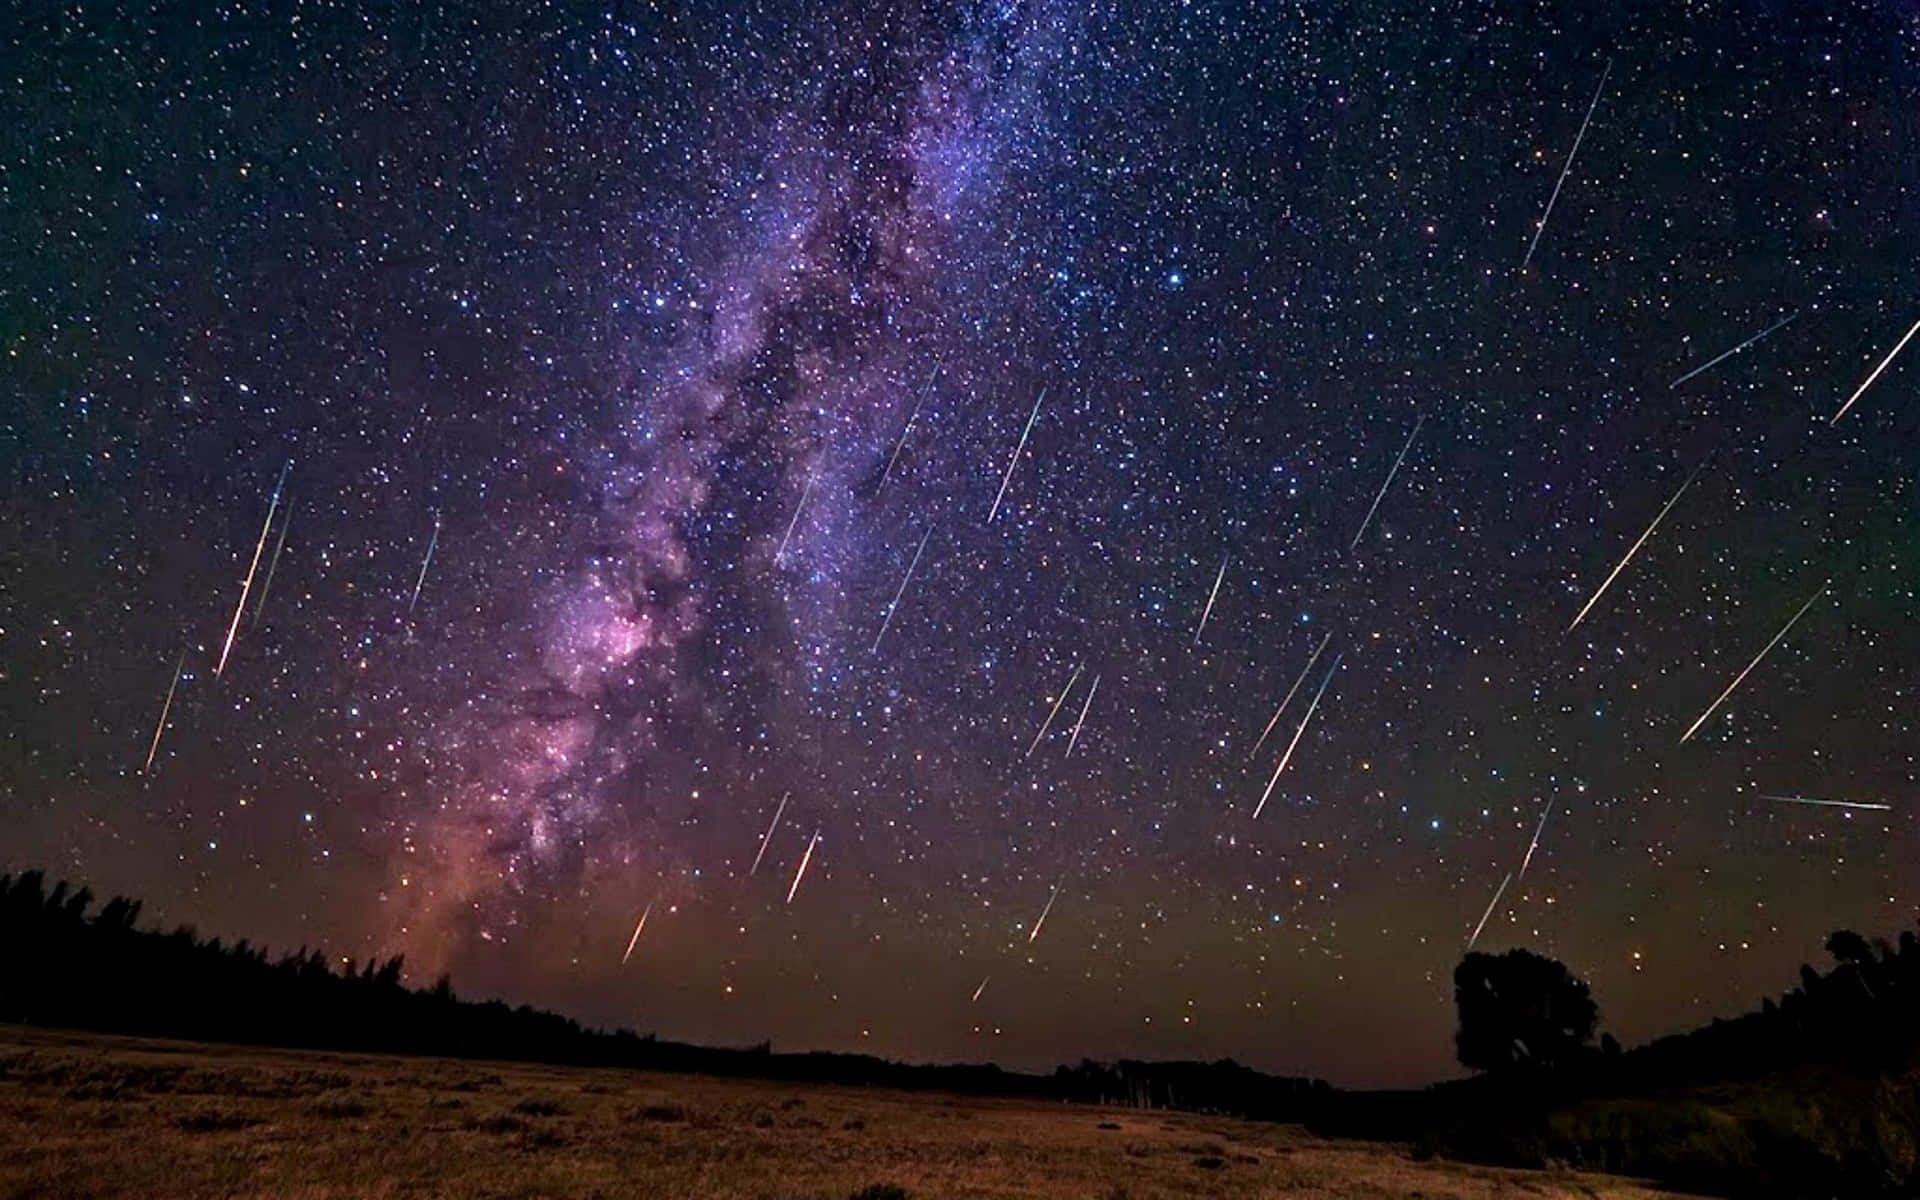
[(86, 1115)]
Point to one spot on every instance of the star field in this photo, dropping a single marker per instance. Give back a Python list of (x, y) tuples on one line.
[(696, 341)]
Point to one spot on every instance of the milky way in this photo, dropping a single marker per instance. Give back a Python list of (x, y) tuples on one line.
[(639, 368)]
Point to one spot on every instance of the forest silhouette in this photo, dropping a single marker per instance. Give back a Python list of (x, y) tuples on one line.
[(1813, 1091)]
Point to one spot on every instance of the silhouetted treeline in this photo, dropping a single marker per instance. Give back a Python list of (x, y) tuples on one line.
[(68, 967), (1862, 1015), (1222, 1087)]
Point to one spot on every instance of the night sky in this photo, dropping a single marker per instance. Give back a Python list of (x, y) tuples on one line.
[(687, 348)]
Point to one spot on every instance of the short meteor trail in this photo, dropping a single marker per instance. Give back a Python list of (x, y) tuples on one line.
[(904, 580), (1861, 390), (1830, 803), (1085, 705), (1633, 550), (1015, 460), (1710, 363), (977, 991), (1055, 710), (767, 837), (1692, 729), (797, 510), (426, 562), (1051, 897), (911, 418), (636, 935), (1535, 843), (1298, 680), (1562, 181), (1211, 596), (1288, 756), (165, 708), (1490, 904), (1418, 421), (273, 564), (802, 872), (247, 586)]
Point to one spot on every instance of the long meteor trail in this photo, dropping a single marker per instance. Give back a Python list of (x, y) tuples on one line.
[(432, 543), (1562, 181), (636, 935), (1535, 843), (804, 860), (1712, 362), (1304, 721), (1692, 729), (1085, 705), (1211, 597), (911, 418), (1015, 460), (1490, 904), (1298, 680), (768, 836), (1055, 710), (1418, 421), (904, 580), (1829, 803), (1631, 551), (1051, 897), (1861, 390), (273, 564), (164, 710), (797, 510), (247, 586)]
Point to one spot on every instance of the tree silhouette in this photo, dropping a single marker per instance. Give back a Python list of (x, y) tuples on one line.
[(1520, 1009)]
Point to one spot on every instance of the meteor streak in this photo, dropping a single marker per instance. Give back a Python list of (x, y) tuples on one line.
[(1561, 182), (636, 935), (1014, 461), (273, 564), (426, 562), (768, 836), (1831, 803), (1483, 916), (1861, 390), (904, 580), (802, 872), (1051, 897), (1211, 596), (1055, 710), (1084, 706), (1298, 680), (978, 990), (797, 510), (1389, 483), (1535, 843), (1729, 354), (1633, 550), (164, 710), (1692, 729), (911, 418), (247, 586), (1288, 756)]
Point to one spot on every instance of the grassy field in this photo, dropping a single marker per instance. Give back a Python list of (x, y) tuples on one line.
[(88, 1115)]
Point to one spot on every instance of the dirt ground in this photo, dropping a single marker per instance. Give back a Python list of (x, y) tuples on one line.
[(83, 1115)]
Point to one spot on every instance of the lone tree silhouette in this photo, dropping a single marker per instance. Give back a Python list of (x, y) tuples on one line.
[(1520, 1010)]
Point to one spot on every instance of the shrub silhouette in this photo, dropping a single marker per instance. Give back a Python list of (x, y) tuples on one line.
[(1521, 1010)]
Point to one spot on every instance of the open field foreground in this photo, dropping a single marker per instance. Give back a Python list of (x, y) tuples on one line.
[(89, 1115)]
